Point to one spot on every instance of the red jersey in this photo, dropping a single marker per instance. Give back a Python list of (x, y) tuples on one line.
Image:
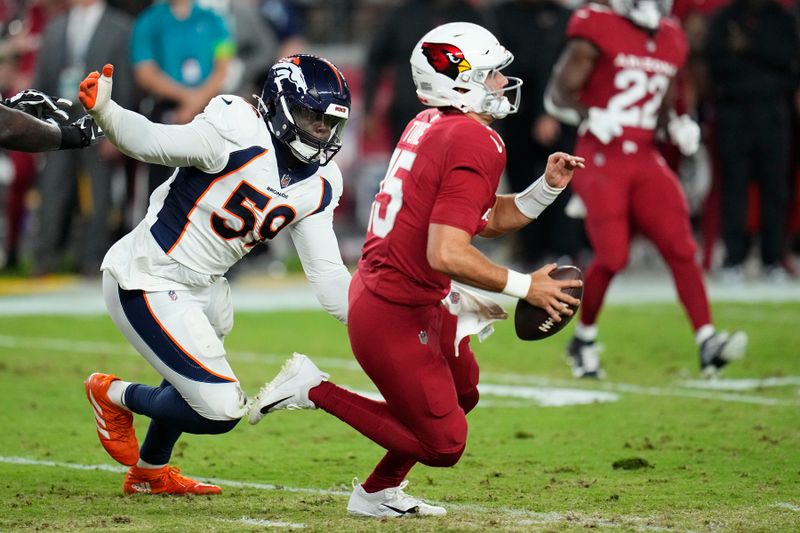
[(634, 69), (445, 170)]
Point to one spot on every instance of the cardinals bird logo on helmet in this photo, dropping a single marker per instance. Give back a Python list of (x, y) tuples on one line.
[(451, 64), (445, 59)]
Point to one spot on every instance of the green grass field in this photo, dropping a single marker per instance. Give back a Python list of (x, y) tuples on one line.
[(712, 459)]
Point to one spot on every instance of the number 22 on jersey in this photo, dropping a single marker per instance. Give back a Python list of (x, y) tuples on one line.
[(389, 199), (636, 85)]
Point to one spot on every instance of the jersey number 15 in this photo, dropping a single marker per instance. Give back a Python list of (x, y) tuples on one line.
[(389, 199)]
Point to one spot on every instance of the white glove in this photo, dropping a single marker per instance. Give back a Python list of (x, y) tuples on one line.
[(604, 124), (684, 133)]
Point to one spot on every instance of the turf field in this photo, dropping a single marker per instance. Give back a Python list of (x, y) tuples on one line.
[(650, 449)]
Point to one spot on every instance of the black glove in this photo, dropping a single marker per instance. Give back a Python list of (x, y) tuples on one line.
[(40, 105), (80, 134)]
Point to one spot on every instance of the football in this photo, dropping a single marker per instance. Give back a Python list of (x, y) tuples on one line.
[(533, 323)]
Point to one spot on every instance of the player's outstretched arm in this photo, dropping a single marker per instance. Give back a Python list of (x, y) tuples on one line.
[(32, 121), (196, 144), (20, 131), (515, 211), (450, 251)]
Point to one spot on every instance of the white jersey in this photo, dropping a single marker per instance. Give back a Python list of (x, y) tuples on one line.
[(227, 195)]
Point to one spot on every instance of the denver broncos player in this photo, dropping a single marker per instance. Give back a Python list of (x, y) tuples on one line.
[(244, 174), (615, 79), (439, 191)]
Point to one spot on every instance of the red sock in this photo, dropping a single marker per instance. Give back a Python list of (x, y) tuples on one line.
[(390, 472)]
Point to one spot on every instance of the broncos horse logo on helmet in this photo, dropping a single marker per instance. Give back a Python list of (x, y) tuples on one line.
[(446, 59), (306, 104)]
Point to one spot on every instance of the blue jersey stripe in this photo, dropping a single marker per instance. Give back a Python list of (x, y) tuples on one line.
[(327, 196), (186, 190), (149, 329)]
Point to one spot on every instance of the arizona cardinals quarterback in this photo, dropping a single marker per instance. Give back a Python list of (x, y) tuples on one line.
[(439, 191)]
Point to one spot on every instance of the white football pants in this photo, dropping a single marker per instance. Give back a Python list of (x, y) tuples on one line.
[(180, 333)]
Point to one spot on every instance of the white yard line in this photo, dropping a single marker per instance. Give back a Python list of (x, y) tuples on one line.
[(85, 298), (265, 523), (786, 505), (523, 516), (493, 381)]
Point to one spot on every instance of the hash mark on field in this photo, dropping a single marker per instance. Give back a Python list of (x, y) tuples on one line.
[(266, 523), (741, 384), (523, 516), (787, 505), (98, 347)]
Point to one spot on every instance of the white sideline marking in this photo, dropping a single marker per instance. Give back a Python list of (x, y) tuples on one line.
[(740, 384), (525, 517), (541, 396), (92, 347), (266, 523), (549, 396), (787, 505)]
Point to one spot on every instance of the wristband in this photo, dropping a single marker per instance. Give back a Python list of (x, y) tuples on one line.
[(533, 200), (70, 137), (517, 284)]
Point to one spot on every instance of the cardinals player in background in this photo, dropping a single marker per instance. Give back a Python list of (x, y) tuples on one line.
[(615, 79), (439, 191)]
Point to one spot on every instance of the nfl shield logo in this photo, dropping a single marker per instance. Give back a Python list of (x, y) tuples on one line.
[(423, 337), (285, 180), (172, 295)]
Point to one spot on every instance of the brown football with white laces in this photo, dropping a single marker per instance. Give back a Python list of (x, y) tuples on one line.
[(532, 323)]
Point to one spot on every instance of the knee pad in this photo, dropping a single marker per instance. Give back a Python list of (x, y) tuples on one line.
[(223, 402), (469, 400), (443, 459), (612, 261), (445, 448), (680, 248)]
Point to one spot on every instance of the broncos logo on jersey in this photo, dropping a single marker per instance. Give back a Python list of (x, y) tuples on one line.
[(446, 59)]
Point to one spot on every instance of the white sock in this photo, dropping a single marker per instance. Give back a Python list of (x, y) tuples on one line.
[(144, 464), (116, 393), (586, 333), (704, 333)]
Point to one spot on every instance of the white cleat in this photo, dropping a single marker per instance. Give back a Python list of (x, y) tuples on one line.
[(391, 502), (289, 389), (720, 349)]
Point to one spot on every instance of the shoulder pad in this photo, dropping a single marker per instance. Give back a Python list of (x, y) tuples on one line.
[(233, 117)]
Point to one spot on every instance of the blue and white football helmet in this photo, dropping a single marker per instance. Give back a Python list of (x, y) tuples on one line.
[(306, 103)]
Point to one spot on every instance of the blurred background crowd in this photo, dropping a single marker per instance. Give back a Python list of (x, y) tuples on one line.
[(60, 211)]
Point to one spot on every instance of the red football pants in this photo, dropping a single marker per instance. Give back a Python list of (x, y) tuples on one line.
[(624, 193), (408, 353)]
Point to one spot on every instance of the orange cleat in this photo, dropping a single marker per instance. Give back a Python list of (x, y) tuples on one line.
[(164, 480), (114, 424)]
